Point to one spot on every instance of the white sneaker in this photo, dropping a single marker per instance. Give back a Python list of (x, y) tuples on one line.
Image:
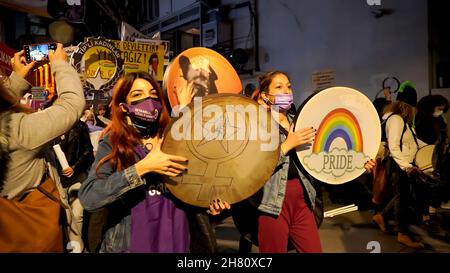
[(445, 205)]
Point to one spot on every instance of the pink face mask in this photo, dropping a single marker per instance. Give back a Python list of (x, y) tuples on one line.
[(283, 101)]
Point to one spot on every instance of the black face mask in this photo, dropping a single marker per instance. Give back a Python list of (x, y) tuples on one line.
[(146, 130)]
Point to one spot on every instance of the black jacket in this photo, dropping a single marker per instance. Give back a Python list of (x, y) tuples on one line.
[(78, 149), (429, 129)]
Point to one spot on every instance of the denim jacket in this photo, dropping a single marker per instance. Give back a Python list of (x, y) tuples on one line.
[(117, 190), (270, 198)]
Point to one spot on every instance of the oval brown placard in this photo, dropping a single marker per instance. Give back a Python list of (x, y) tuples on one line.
[(231, 147)]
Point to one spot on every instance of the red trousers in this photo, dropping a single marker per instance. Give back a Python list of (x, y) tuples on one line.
[(295, 222)]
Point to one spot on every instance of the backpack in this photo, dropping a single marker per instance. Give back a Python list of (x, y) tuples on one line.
[(386, 166), (383, 150)]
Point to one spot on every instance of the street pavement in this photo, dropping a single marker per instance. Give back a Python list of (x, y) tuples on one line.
[(352, 232)]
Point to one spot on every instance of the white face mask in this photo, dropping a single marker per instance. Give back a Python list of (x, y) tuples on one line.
[(437, 113)]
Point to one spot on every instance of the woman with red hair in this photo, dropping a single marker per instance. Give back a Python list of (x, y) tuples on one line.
[(127, 178)]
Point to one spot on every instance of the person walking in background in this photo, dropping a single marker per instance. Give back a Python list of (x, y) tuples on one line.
[(431, 127), (403, 145)]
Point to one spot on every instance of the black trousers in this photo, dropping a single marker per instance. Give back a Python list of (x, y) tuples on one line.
[(203, 238), (405, 206), (402, 199)]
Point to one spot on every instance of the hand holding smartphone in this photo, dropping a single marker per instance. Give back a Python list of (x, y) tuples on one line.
[(38, 52)]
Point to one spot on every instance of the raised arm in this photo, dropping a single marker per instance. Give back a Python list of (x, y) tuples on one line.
[(41, 127), (17, 84)]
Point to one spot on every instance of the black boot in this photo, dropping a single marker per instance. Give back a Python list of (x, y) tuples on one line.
[(434, 226)]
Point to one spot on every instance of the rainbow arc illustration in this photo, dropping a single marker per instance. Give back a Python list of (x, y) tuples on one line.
[(339, 123)]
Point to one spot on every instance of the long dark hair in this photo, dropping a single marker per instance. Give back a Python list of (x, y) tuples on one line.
[(427, 104), (264, 83), (124, 137), (402, 109)]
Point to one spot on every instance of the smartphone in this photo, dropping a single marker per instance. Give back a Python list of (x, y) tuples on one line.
[(38, 52)]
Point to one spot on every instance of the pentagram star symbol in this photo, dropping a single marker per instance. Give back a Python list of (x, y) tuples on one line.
[(220, 129)]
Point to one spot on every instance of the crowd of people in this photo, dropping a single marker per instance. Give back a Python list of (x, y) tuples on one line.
[(403, 191), (114, 158)]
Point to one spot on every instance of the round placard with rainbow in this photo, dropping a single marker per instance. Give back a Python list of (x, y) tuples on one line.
[(348, 134)]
